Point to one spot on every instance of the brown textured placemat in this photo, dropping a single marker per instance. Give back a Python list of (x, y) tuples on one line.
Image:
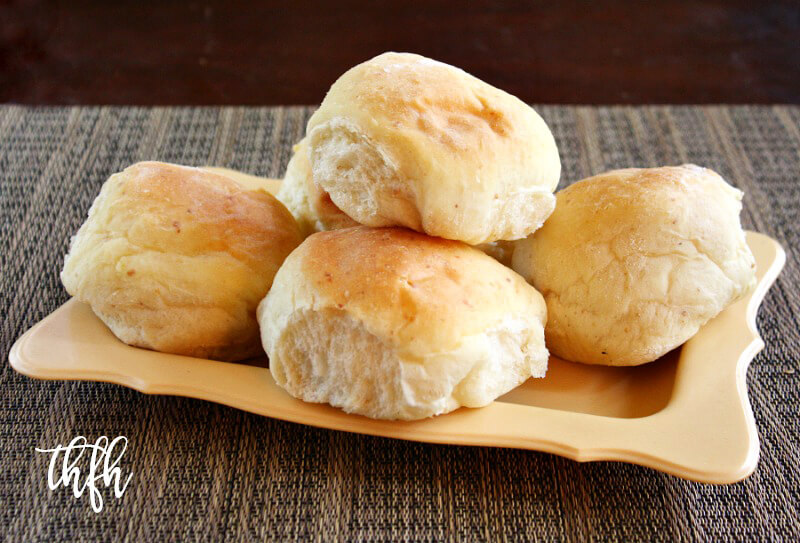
[(207, 472)]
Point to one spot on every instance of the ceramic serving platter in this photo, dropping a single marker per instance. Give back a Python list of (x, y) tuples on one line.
[(687, 414)]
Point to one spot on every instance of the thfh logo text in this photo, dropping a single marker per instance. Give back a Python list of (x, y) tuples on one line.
[(82, 465)]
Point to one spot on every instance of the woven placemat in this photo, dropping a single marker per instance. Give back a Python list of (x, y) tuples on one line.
[(208, 472)]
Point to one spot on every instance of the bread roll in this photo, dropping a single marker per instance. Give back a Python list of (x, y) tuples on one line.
[(392, 324), (176, 259), (633, 262), (402, 140), (311, 206)]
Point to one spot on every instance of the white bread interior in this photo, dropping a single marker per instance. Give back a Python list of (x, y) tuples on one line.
[(314, 210), (311, 206)]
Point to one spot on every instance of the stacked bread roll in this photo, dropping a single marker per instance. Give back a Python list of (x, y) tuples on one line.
[(410, 174), (390, 323)]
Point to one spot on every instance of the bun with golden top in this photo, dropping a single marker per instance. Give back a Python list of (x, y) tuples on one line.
[(176, 259), (403, 140), (393, 324), (632, 262)]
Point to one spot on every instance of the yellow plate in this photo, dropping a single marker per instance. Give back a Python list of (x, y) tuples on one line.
[(687, 414)]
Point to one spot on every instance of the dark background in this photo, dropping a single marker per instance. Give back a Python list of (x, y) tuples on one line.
[(238, 52)]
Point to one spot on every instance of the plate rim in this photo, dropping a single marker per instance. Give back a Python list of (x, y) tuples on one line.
[(439, 430)]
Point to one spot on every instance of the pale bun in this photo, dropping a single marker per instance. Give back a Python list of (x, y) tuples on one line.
[(392, 324), (311, 206), (176, 259), (403, 140), (633, 262)]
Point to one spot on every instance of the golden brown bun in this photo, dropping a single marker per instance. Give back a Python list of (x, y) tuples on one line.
[(393, 324), (246, 180), (633, 262), (176, 259), (402, 140), (311, 206)]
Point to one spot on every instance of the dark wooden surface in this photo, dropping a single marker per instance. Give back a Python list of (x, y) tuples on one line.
[(238, 52)]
